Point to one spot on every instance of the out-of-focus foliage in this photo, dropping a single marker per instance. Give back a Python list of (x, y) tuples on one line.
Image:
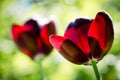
[(14, 65)]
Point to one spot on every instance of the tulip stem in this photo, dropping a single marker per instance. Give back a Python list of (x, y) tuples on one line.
[(41, 71), (39, 60), (93, 62)]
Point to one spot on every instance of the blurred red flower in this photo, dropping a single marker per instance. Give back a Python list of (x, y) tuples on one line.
[(86, 39), (32, 38)]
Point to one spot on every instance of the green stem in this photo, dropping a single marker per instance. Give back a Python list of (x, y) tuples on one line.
[(39, 59), (41, 71), (93, 62)]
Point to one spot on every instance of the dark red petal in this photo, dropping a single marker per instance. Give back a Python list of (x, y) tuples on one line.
[(68, 49), (101, 30), (27, 43), (96, 50), (32, 26), (39, 44), (46, 31), (56, 41), (78, 33), (25, 40), (16, 31)]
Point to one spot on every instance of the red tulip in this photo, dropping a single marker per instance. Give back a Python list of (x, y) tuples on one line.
[(32, 39), (85, 39)]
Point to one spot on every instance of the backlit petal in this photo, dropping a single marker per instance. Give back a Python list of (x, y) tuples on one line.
[(68, 49), (56, 41), (101, 30), (25, 40), (32, 26), (27, 44), (46, 31), (78, 33), (16, 31)]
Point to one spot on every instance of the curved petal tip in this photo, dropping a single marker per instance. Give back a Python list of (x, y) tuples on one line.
[(56, 41)]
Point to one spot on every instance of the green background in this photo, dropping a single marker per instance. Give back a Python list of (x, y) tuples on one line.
[(15, 65)]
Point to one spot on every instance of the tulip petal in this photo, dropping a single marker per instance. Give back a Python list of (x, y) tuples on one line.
[(25, 40), (16, 30), (46, 31), (56, 41), (78, 33), (27, 44), (32, 26), (101, 31), (68, 49), (96, 50)]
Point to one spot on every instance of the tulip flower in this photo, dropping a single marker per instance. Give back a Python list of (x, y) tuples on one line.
[(32, 38), (86, 41)]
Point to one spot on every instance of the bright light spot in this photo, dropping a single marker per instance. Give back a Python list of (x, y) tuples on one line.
[(22, 65), (70, 1), (118, 75), (111, 60), (7, 46), (41, 21), (118, 65), (19, 8), (52, 17)]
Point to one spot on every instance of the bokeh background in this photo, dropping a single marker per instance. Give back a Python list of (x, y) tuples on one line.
[(15, 65)]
